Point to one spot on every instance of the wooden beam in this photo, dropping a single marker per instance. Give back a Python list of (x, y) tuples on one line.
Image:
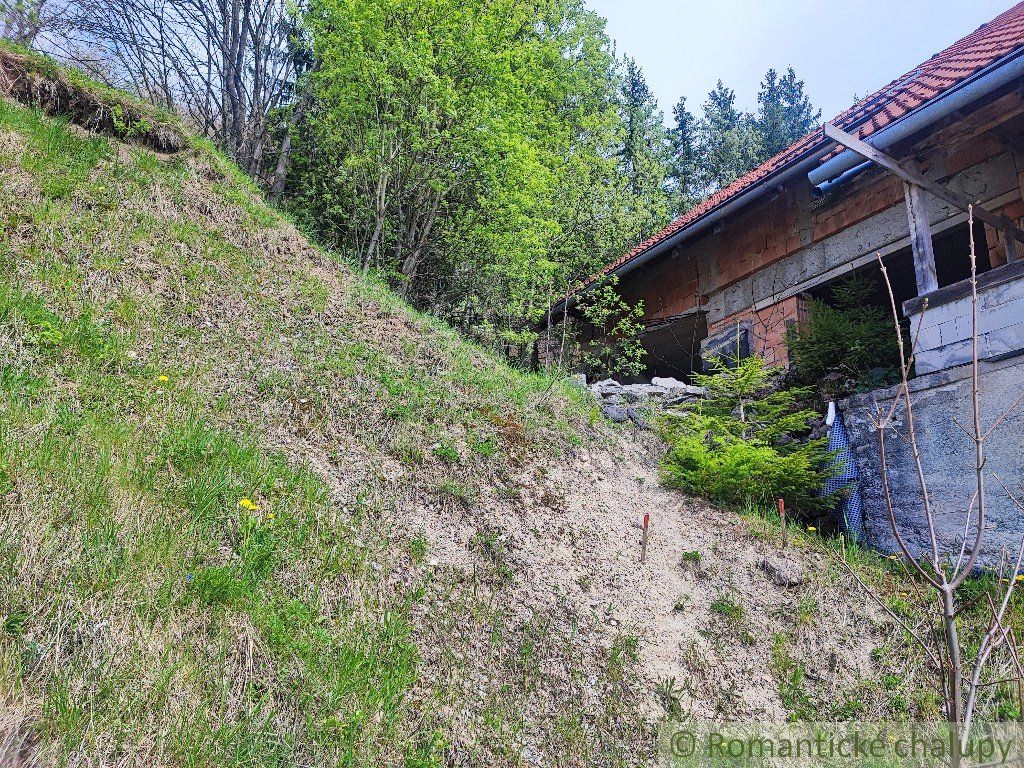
[(912, 176), (1009, 242), (920, 239)]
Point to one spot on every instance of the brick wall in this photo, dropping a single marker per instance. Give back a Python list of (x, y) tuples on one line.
[(996, 241), (667, 287), (768, 327)]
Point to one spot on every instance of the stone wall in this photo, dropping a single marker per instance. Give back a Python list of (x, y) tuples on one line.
[(947, 455)]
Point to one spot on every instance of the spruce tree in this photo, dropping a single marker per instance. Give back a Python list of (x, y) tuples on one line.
[(784, 114), (644, 154), (682, 136), (728, 144)]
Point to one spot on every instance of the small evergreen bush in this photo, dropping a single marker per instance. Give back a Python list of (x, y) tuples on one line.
[(849, 340), (740, 444)]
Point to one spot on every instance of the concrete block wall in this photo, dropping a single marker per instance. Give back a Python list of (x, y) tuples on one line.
[(947, 455), (946, 324)]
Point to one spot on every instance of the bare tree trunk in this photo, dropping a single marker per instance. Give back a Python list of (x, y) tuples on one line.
[(225, 64)]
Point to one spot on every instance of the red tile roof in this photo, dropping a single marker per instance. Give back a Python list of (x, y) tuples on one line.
[(980, 49)]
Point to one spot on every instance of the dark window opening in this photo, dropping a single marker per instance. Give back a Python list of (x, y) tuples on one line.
[(899, 265), (953, 253), (845, 349), (673, 348), (952, 249), (952, 265)]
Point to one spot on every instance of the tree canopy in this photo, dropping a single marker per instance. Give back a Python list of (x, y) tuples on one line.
[(483, 156)]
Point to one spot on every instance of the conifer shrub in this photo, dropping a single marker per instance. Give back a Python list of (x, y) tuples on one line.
[(848, 343), (742, 444)]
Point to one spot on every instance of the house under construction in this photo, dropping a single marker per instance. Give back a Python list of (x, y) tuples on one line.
[(894, 176)]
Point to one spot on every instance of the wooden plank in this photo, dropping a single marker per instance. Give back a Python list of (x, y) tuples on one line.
[(912, 176), (920, 239)]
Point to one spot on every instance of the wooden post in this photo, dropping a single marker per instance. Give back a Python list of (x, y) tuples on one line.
[(920, 239), (782, 517), (643, 545), (1009, 241)]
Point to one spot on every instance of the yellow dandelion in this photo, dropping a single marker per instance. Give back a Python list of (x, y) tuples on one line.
[(893, 557), (163, 377), (271, 516), (1020, 577), (811, 528), (246, 504)]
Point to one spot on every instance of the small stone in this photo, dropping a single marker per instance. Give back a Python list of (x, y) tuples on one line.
[(615, 413), (635, 416), (606, 387), (785, 573)]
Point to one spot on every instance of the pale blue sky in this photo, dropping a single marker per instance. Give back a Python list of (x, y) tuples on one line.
[(838, 48)]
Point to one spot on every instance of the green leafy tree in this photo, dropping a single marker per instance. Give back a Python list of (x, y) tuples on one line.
[(615, 348), (740, 445), (847, 343), (784, 114), (471, 153)]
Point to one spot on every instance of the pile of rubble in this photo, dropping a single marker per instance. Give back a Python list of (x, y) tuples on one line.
[(618, 401)]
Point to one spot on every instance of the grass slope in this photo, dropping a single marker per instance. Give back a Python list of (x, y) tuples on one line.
[(208, 433)]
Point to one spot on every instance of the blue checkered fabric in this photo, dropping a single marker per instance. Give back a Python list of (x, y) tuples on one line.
[(851, 504)]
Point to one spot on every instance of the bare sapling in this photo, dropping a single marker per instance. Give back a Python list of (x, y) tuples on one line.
[(962, 670)]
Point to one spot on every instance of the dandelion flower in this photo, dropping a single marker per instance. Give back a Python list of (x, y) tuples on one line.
[(811, 528), (271, 516), (246, 504), (163, 377), (1020, 577)]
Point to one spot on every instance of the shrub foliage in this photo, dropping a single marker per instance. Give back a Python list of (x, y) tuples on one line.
[(740, 445), (849, 340), (616, 347)]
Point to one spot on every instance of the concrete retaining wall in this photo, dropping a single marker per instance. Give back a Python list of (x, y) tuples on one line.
[(947, 452)]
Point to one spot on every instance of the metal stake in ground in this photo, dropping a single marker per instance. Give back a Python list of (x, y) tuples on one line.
[(643, 544), (782, 518)]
